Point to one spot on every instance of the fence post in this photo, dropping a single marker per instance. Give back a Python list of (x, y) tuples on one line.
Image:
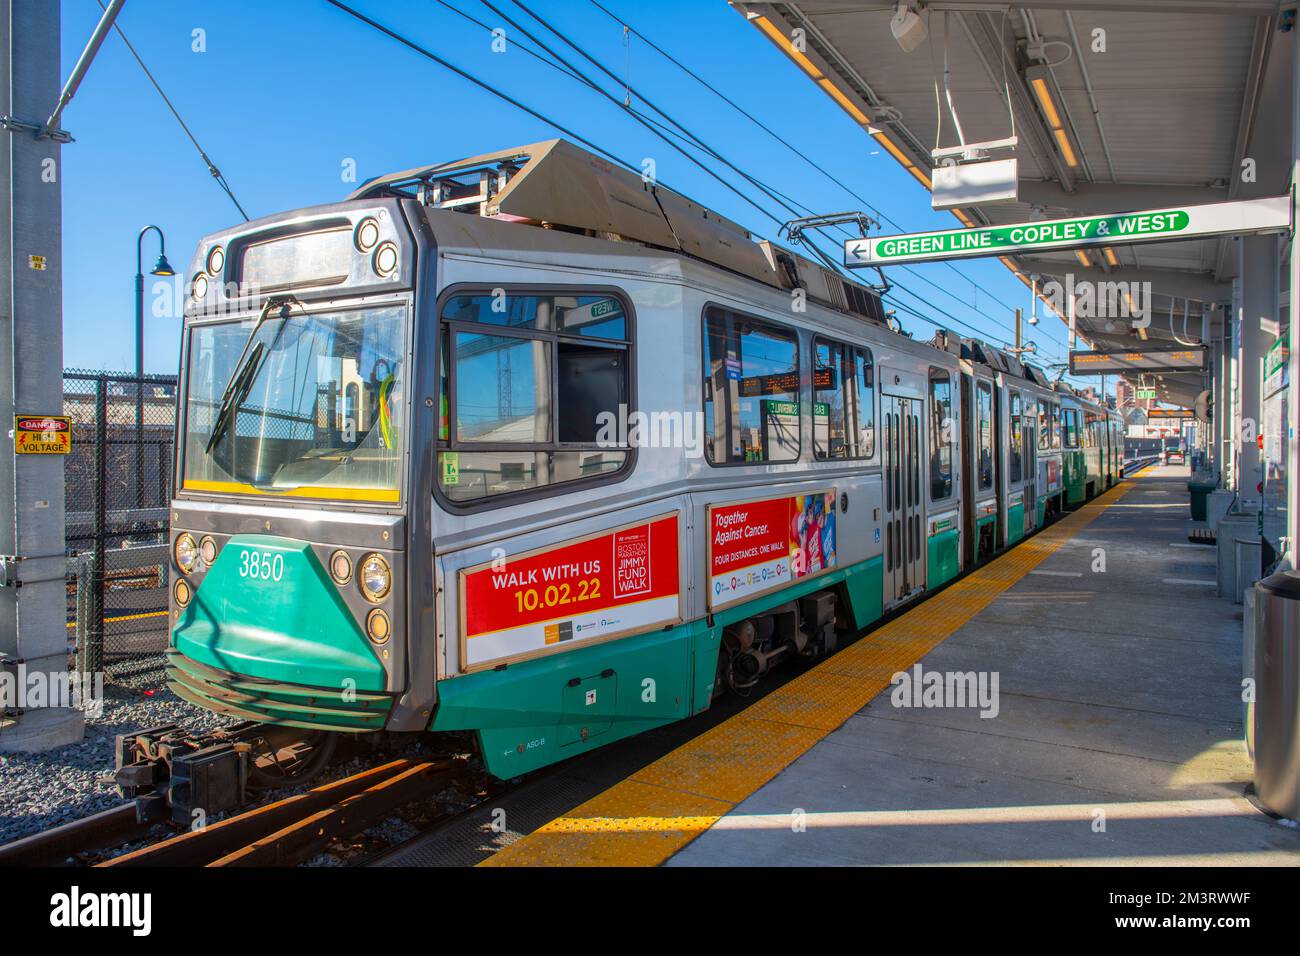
[(95, 629), (89, 656)]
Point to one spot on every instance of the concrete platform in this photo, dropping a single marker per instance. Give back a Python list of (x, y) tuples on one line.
[(1117, 738)]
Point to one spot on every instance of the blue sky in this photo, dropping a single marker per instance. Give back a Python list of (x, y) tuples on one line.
[(287, 92)]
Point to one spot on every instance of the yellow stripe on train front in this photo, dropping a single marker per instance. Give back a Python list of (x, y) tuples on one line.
[(384, 495)]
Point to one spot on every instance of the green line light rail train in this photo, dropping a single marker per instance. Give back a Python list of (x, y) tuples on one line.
[(526, 448)]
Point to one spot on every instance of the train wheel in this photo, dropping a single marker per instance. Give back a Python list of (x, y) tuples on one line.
[(285, 756)]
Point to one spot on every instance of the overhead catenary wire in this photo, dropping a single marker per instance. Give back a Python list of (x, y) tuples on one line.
[(207, 160), (623, 22), (482, 84), (782, 199), (660, 130), (632, 91), (876, 212)]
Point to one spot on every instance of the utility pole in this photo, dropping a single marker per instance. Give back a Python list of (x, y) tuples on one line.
[(33, 601)]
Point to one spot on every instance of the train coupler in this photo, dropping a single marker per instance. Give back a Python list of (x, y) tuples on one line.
[(171, 772)]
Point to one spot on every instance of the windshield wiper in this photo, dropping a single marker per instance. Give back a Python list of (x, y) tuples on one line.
[(241, 380)]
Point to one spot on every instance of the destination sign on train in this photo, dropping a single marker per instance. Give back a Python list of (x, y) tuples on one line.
[(1146, 360), (1271, 214)]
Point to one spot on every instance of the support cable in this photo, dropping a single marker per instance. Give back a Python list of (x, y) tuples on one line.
[(207, 160)]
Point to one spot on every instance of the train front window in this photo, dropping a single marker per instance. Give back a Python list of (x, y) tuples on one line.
[(316, 408)]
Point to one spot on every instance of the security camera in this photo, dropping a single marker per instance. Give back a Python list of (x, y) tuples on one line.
[(908, 28)]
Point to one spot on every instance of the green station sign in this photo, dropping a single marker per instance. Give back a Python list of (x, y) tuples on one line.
[(1250, 216)]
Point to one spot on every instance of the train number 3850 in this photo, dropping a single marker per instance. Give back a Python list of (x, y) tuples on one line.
[(261, 565)]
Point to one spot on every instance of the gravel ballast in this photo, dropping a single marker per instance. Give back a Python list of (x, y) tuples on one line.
[(39, 791)]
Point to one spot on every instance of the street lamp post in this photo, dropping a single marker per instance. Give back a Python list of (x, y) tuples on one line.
[(160, 268)]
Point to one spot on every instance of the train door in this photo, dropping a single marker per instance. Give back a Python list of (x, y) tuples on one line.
[(1001, 437), (901, 525), (981, 492)]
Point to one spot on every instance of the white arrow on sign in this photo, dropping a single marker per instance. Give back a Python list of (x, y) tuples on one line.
[(1242, 217)]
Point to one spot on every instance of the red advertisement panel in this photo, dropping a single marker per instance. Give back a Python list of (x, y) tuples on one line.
[(616, 583), (760, 545)]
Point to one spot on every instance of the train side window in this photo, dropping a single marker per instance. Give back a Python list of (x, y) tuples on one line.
[(1070, 427), (864, 376), (984, 419), (530, 385), (1017, 437), (751, 390), (1054, 410), (844, 411), (942, 428), (834, 402), (1044, 426)]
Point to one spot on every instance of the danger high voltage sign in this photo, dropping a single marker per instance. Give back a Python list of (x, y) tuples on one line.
[(42, 435)]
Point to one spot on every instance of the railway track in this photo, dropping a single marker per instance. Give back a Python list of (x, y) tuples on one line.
[(282, 833)]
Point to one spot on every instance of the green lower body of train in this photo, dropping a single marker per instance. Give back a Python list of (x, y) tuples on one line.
[(283, 661), (280, 655)]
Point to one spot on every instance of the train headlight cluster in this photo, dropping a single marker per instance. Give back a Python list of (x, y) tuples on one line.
[(378, 626), (199, 290), (385, 259), (340, 567), (367, 235), (216, 261), (376, 578), (185, 552), (208, 549)]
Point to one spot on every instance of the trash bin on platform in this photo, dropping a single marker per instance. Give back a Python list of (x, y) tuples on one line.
[(1200, 489), (1232, 526), (1249, 560), (1277, 693)]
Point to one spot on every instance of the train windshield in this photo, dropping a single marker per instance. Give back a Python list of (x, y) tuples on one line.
[(315, 405)]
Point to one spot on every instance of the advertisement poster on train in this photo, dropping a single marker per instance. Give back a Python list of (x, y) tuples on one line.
[(612, 584), (761, 545)]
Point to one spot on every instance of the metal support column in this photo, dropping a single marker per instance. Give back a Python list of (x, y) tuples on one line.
[(1224, 397), (1213, 448), (1258, 266), (33, 605), (1293, 310)]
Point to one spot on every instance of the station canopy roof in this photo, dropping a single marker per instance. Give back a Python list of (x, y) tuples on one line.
[(1118, 105)]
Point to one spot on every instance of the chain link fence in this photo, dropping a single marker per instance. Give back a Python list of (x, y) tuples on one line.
[(118, 480)]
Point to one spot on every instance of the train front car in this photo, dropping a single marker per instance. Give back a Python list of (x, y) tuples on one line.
[(294, 505)]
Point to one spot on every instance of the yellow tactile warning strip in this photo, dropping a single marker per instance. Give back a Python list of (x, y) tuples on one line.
[(645, 819)]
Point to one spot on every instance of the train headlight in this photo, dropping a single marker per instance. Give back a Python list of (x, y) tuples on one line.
[(183, 593), (378, 626), (199, 290), (186, 552), (385, 260), (208, 549), (376, 578), (341, 567), (216, 261), (367, 235)]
